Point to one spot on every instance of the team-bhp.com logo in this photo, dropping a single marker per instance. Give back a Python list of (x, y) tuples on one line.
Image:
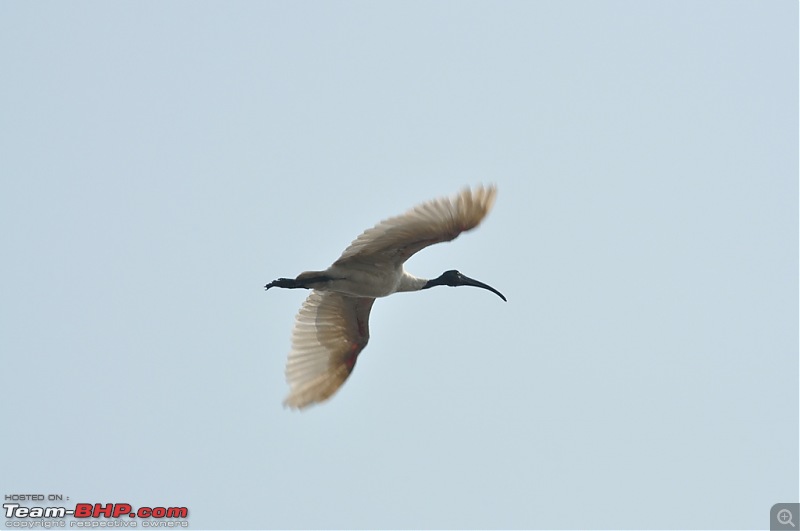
[(163, 516)]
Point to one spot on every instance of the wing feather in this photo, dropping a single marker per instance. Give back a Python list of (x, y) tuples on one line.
[(330, 331), (396, 239)]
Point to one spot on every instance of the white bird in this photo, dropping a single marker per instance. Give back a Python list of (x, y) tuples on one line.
[(332, 326)]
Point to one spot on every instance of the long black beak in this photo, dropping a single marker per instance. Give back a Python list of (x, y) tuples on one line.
[(455, 278), (466, 281)]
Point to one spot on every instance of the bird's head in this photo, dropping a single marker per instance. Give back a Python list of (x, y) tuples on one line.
[(456, 278)]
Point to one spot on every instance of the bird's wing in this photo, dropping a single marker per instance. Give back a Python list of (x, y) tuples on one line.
[(331, 329), (440, 220)]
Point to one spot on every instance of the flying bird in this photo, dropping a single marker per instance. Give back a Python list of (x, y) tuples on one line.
[(332, 326)]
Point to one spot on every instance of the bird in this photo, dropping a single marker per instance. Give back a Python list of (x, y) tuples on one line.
[(332, 327)]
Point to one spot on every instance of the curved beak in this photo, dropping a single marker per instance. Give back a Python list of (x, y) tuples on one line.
[(466, 281)]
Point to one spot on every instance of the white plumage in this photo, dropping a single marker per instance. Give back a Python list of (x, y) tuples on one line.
[(332, 326)]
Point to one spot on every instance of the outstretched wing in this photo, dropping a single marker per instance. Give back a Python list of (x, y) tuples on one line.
[(440, 220), (331, 329)]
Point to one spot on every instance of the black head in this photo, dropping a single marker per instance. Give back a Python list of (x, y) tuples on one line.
[(455, 278)]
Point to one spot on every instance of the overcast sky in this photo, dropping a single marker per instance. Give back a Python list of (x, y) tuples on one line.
[(162, 161)]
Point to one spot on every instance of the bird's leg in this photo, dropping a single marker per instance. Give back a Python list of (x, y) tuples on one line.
[(284, 283), (304, 280)]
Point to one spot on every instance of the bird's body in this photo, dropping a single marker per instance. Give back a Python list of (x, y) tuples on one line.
[(332, 327), (360, 279)]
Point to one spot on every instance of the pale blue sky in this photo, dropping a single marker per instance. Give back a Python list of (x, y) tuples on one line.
[(162, 161)]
